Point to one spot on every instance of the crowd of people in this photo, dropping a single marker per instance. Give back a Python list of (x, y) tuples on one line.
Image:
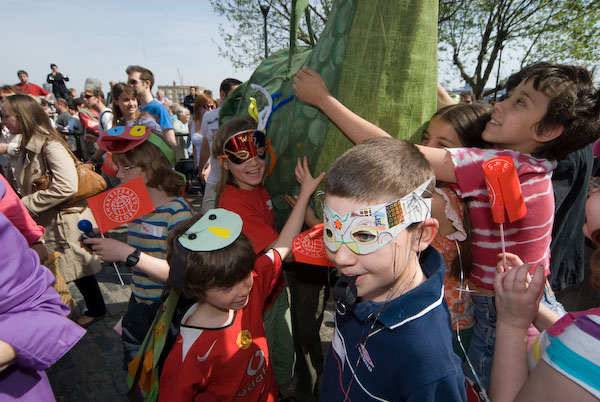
[(434, 301)]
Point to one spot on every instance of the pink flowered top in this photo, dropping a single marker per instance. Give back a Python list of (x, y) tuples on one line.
[(460, 306)]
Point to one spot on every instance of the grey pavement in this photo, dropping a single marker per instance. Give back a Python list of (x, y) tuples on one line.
[(93, 369)]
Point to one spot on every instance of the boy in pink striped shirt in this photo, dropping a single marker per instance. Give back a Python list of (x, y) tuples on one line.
[(550, 111)]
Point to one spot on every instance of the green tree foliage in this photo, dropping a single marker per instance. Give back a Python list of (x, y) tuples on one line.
[(243, 40), (476, 33)]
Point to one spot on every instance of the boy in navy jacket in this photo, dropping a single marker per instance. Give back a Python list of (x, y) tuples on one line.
[(395, 342)]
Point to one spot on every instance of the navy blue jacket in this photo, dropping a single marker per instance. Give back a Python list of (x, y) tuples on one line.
[(407, 357)]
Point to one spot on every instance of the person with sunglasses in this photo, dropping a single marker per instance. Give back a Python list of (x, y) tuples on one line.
[(142, 81), (201, 106), (94, 100), (89, 120)]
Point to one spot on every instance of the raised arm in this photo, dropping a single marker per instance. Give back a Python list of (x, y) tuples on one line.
[(443, 99), (516, 305), (293, 226), (441, 162), (310, 88)]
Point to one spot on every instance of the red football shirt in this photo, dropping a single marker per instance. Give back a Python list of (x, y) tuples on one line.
[(229, 363)]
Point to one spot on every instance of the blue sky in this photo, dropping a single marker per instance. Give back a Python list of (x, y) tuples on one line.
[(101, 38)]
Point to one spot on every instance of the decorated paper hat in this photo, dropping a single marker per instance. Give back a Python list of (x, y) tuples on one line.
[(120, 139), (217, 229)]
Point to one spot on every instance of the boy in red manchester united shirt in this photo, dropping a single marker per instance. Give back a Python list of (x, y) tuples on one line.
[(221, 353)]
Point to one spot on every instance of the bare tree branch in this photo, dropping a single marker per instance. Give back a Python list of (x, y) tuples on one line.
[(557, 30)]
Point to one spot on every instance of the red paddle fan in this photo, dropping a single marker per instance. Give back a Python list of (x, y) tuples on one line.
[(503, 186), (308, 247)]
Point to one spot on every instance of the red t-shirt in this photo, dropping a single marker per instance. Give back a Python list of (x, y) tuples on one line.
[(229, 363), (256, 210), (32, 89)]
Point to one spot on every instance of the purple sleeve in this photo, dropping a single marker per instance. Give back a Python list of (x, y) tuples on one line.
[(39, 336), (32, 318)]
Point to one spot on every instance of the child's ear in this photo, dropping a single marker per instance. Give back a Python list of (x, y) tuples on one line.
[(223, 163), (549, 134), (425, 233)]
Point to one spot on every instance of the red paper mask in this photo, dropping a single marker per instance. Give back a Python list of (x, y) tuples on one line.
[(504, 189), (243, 146)]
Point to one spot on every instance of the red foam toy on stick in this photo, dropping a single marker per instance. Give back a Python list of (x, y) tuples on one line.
[(308, 247), (120, 205), (504, 189)]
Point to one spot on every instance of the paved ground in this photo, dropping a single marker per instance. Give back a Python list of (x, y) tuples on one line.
[(93, 369)]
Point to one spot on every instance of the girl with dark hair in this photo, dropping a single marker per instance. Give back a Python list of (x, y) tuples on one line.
[(126, 111), (456, 126)]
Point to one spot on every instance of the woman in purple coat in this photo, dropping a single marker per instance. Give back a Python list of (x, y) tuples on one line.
[(34, 329)]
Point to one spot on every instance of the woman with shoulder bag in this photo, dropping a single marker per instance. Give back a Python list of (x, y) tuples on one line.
[(44, 158)]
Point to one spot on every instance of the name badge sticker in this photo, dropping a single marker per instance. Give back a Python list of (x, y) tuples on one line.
[(152, 230)]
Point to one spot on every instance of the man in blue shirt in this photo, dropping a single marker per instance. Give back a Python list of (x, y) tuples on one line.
[(142, 80)]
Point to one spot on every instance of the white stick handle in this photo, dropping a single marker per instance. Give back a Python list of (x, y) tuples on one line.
[(503, 244), (115, 266)]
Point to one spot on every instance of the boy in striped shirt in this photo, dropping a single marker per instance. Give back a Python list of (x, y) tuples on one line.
[(550, 111)]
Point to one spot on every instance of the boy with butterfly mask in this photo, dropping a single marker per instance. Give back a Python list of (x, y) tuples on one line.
[(395, 343)]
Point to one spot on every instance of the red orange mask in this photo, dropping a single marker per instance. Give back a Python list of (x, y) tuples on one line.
[(245, 145)]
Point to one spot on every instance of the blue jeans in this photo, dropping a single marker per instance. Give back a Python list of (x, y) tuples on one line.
[(481, 349)]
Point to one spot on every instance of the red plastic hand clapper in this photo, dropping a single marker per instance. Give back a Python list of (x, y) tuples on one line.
[(504, 189)]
